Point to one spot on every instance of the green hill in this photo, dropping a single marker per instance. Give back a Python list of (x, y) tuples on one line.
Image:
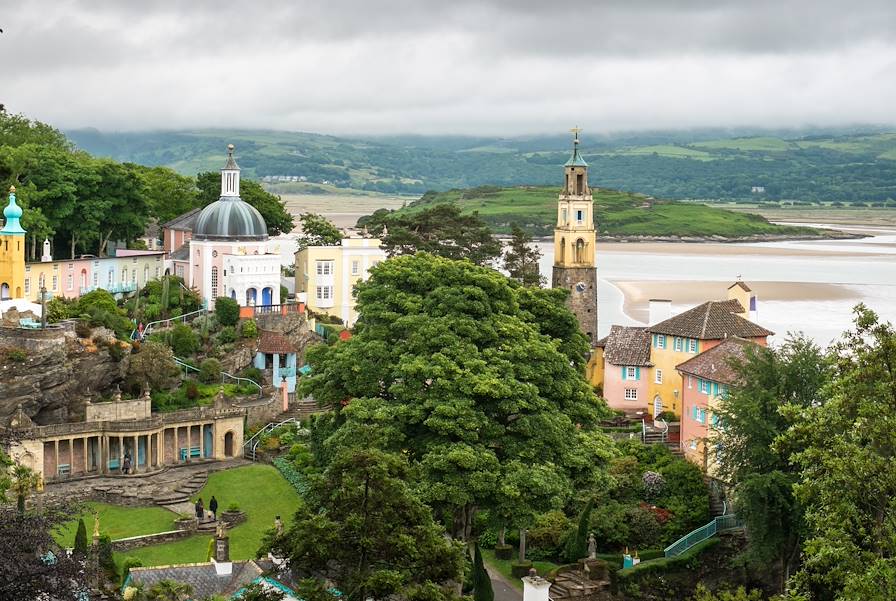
[(804, 165), (617, 214)]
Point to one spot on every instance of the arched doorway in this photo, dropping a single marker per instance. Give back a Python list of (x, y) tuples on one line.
[(83, 279), (228, 444), (4, 291), (251, 296), (233, 294), (18, 292), (580, 251), (267, 296)]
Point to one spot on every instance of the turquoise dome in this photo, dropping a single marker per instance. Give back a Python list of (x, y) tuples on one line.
[(12, 213)]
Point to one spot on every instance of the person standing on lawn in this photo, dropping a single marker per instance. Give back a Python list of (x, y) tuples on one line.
[(200, 510), (213, 507)]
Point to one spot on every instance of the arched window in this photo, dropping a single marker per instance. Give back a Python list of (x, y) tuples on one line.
[(562, 250), (214, 282), (580, 251)]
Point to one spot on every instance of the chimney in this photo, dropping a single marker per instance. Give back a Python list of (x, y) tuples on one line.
[(47, 256), (223, 565), (535, 588), (660, 310)]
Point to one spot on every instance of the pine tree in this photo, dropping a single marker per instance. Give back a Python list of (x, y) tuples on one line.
[(521, 258), (81, 539), (482, 584)]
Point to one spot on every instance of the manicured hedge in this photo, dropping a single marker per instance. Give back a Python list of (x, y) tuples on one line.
[(623, 578), (292, 475)]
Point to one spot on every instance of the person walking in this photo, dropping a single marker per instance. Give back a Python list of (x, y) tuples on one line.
[(213, 507), (200, 509)]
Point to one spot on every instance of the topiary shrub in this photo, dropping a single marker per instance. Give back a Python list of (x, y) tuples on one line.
[(210, 371), (519, 569), (80, 548), (184, 341), (248, 328), (226, 335), (227, 311)]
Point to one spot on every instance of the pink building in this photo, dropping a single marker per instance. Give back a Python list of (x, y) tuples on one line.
[(705, 379), (626, 353)]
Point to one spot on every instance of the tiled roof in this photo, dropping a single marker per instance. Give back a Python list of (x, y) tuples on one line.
[(743, 286), (201, 576), (272, 342), (602, 343), (628, 346), (712, 320), (183, 222), (715, 364)]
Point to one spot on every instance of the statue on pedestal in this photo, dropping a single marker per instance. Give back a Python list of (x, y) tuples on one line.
[(592, 547)]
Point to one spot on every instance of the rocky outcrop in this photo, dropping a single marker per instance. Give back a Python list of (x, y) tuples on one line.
[(53, 380), (294, 326)]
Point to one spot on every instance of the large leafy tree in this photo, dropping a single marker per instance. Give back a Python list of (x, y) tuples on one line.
[(521, 258), (750, 454), (317, 231), (271, 207), (363, 522), (845, 450), (16, 130), (447, 366), (441, 230), (168, 194)]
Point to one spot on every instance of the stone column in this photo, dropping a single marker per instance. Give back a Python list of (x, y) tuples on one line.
[(189, 441), (160, 447), (101, 443), (86, 447), (56, 450), (135, 465), (120, 453), (71, 456), (201, 442)]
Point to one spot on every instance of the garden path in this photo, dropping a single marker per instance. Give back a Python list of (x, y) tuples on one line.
[(504, 590)]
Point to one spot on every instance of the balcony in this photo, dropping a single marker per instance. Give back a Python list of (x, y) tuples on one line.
[(113, 289)]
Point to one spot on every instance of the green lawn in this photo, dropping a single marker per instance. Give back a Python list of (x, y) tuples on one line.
[(259, 490), (119, 522), (503, 566)]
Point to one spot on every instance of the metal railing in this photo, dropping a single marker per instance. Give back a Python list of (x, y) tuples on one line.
[(719, 524), (250, 447), (237, 379), (135, 335), (281, 309)]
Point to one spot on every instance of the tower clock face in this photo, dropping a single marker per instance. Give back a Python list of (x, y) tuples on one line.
[(580, 287)]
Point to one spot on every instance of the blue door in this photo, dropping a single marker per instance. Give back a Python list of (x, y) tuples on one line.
[(208, 441), (267, 296)]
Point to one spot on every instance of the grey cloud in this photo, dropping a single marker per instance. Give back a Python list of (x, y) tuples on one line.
[(465, 66)]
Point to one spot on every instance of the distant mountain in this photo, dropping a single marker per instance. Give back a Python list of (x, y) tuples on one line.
[(847, 164)]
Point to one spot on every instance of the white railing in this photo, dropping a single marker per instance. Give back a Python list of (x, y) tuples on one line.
[(251, 446)]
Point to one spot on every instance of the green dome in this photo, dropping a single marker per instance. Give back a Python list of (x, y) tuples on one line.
[(12, 213)]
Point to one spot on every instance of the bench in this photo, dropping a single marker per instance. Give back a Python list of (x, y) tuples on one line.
[(29, 323), (191, 452), (114, 464), (64, 469)]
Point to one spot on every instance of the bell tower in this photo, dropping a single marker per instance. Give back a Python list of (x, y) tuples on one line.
[(574, 240), (12, 251)]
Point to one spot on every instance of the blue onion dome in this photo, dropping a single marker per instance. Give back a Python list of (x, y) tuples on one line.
[(12, 213), (230, 218)]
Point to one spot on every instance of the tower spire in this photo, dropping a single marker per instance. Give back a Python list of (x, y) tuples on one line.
[(230, 176), (12, 213)]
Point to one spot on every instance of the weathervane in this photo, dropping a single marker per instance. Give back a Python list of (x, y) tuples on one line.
[(575, 130)]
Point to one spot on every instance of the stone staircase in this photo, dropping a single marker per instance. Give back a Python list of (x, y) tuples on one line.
[(183, 491), (574, 584), (300, 409)]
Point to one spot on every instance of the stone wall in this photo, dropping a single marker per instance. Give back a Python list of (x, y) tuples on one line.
[(118, 410), (583, 303), (262, 411), (134, 542)]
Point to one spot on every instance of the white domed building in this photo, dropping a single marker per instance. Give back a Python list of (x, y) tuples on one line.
[(229, 252)]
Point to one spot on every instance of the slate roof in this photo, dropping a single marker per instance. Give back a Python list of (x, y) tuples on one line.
[(713, 320), (628, 346), (715, 364), (181, 254), (183, 222), (272, 342), (230, 218), (201, 576)]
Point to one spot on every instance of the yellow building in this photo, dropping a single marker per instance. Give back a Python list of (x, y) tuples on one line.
[(326, 275), (574, 244), (12, 251)]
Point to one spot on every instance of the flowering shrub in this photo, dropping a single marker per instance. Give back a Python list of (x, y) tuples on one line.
[(654, 484)]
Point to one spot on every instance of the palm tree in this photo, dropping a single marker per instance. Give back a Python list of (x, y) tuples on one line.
[(24, 480), (170, 590)]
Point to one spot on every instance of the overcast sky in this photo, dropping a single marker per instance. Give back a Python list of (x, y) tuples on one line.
[(496, 67)]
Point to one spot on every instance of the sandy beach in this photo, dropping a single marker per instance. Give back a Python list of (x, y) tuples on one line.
[(638, 293), (710, 249)]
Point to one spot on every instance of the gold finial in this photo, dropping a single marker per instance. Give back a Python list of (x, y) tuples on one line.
[(96, 525), (12, 189), (575, 130)]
